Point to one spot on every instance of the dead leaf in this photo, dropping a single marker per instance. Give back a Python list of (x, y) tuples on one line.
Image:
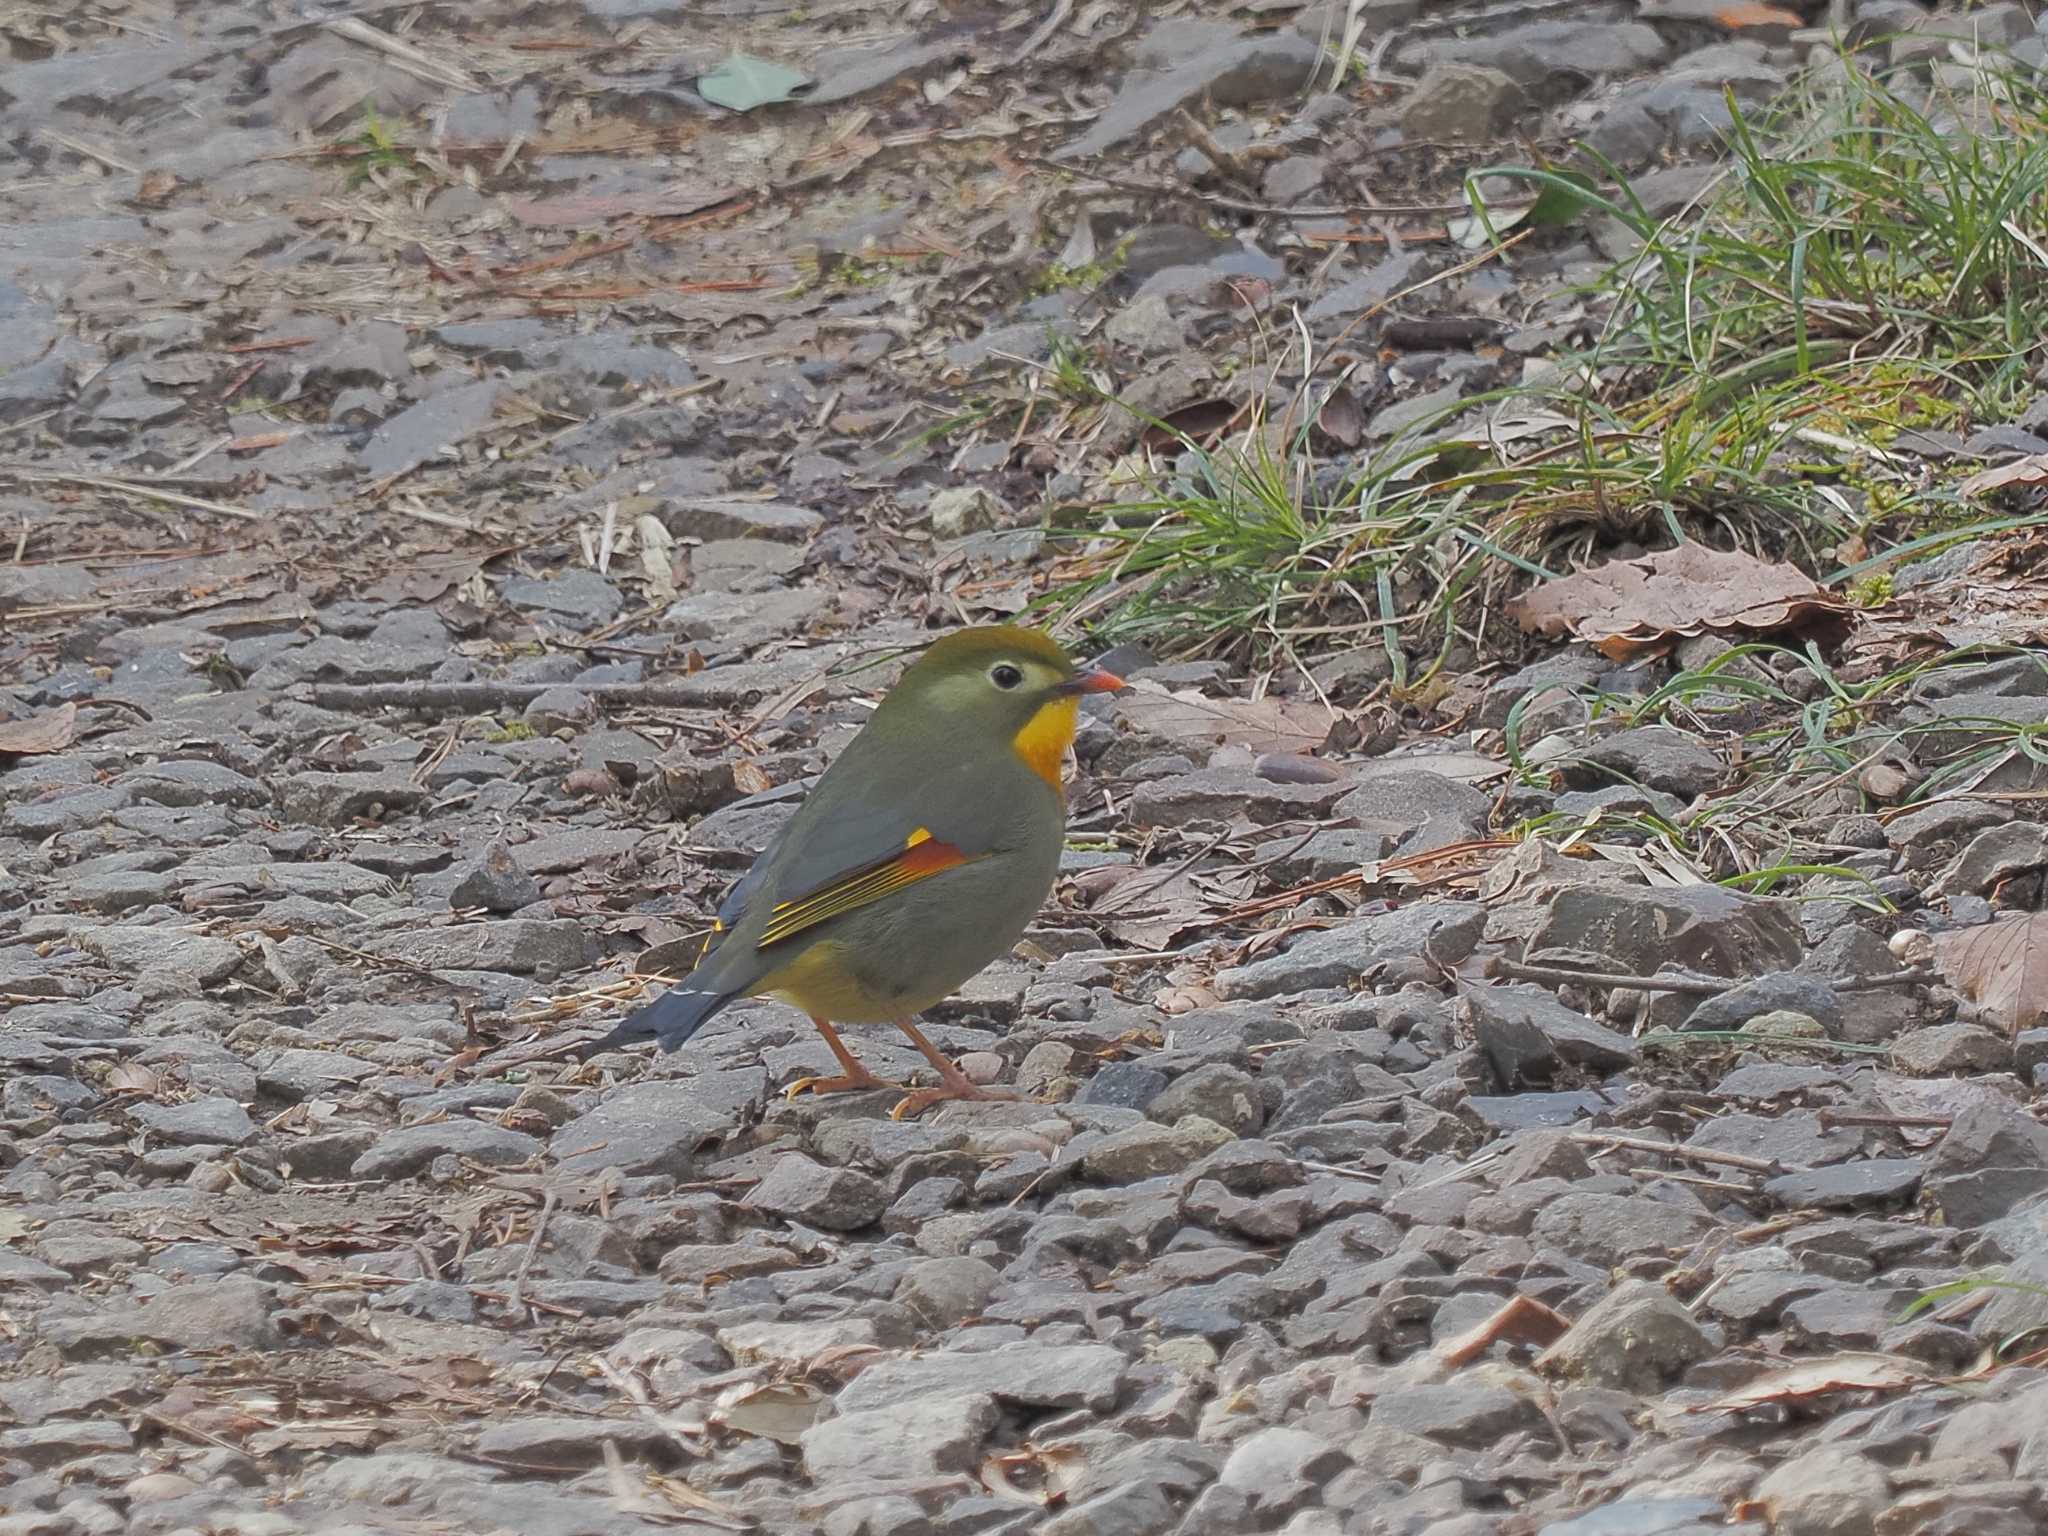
[(780, 1412), (2031, 470), (1518, 1320), (2000, 966), (749, 778), (1884, 781), (1201, 422), (1342, 418), (1039, 1475), (1631, 608), (1264, 725), (51, 732), (130, 1077), (1745, 14), (1149, 908), (1817, 1378)]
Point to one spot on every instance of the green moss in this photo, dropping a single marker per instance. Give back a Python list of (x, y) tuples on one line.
[(512, 730), (1059, 277)]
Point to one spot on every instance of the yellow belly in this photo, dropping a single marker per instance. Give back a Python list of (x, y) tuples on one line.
[(819, 982)]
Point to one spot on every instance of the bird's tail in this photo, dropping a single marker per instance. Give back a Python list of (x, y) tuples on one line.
[(671, 1018)]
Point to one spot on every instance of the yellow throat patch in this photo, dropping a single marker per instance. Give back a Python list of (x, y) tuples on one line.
[(1046, 736)]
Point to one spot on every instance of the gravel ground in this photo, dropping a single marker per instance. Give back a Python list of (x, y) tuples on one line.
[(551, 401)]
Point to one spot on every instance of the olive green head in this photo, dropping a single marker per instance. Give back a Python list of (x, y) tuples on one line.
[(996, 684)]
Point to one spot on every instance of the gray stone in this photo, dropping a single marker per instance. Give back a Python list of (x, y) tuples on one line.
[(1470, 1413), (197, 1122), (1087, 1376), (1223, 794), (561, 1442), (1136, 1508), (404, 1152), (1460, 102), (1872, 1181), (929, 1437), (1232, 74), (1704, 928), (1828, 1491), (1216, 1092), (834, 1199), (1280, 1470), (1633, 1339), (325, 799), (133, 949), (1528, 1036), (943, 1293), (1347, 954), (496, 883), (1148, 1150), (1555, 59), (1659, 757), (517, 946), (222, 1313), (1609, 1229), (1124, 1085), (432, 427), (1650, 1516), (1941, 1049), (1778, 991)]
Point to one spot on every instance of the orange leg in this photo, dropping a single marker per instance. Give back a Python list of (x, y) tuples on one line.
[(854, 1074), (953, 1083)]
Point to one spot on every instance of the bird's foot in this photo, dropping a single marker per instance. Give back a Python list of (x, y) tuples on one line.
[(845, 1082), (953, 1084)]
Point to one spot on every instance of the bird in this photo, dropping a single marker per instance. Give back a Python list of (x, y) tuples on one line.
[(919, 857)]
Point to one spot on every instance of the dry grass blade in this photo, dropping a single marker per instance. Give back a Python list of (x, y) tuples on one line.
[(2000, 966), (1847, 1372)]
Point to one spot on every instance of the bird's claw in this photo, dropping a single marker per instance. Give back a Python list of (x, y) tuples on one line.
[(918, 1100), (844, 1083)]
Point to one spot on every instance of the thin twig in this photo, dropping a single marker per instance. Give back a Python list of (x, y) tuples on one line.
[(1685, 982), (483, 697), (1769, 1166), (540, 1227)]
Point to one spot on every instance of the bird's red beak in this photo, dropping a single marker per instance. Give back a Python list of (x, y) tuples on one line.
[(1092, 680)]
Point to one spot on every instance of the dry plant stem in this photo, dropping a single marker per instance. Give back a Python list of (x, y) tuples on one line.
[(1704, 1155), (1696, 986), (476, 698), (1829, 1118), (540, 1227)]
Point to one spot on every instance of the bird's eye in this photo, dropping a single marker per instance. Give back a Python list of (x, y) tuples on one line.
[(1003, 675)]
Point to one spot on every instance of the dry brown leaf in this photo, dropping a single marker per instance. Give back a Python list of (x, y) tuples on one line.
[(1744, 14), (1149, 908), (1816, 1378), (1342, 418), (1264, 725), (2031, 470), (1518, 1320), (1200, 421), (1631, 608), (1038, 1475), (51, 732), (781, 1412), (749, 778), (2000, 966), (129, 1077)]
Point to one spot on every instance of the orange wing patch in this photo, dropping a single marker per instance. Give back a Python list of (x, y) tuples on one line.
[(922, 857)]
